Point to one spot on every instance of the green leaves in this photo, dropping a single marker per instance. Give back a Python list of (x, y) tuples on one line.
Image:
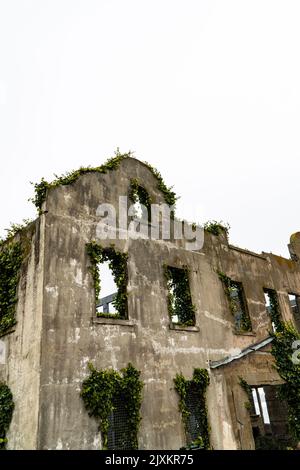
[(179, 298), (6, 412), (139, 194), (274, 309), (247, 389), (236, 302), (199, 382), (118, 266), (11, 257), (216, 228), (282, 351), (100, 392), (41, 189)]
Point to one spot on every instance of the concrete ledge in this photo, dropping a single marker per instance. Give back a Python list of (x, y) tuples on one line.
[(8, 332), (247, 252), (112, 321), (173, 326), (244, 333)]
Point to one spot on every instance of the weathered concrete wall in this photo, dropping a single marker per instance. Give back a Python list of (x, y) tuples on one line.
[(72, 336), (21, 368)]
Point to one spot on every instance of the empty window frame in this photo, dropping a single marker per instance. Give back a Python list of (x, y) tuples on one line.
[(273, 308), (141, 200), (108, 290), (238, 306), (181, 308), (260, 403), (110, 276), (294, 300), (269, 418)]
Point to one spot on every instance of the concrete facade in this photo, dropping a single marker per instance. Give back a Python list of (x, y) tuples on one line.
[(57, 332)]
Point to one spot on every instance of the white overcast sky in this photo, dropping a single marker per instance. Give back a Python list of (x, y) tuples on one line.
[(207, 91)]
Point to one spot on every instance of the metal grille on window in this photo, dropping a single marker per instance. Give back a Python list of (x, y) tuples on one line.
[(193, 404), (118, 432), (237, 304)]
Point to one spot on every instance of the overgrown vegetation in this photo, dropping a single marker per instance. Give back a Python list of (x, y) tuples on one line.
[(118, 265), (169, 194), (113, 163), (289, 371), (11, 257), (216, 228), (103, 389), (199, 383), (247, 389), (6, 412), (14, 229), (236, 303), (274, 309), (180, 303)]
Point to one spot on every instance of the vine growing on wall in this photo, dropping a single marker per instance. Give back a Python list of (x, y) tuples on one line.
[(200, 382), (179, 295), (274, 309), (11, 257), (118, 265), (247, 389), (229, 287), (41, 189), (286, 359), (15, 229), (6, 412), (102, 389), (216, 228)]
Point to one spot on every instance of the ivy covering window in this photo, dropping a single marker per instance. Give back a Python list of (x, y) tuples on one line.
[(236, 297), (181, 308), (11, 256), (192, 405), (273, 309), (117, 263), (140, 197), (114, 399)]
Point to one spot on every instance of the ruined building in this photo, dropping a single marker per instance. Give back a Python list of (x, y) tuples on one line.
[(200, 318)]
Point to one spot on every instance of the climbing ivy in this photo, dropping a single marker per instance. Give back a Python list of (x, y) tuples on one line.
[(289, 371), (247, 389), (102, 389), (230, 285), (41, 189), (139, 194), (216, 228), (6, 412), (11, 257), (15, 229), (118, 265), (179, 297), (169, 194), (200, 381)]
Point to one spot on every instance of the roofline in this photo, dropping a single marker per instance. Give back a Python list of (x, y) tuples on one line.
[(244, 352)]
